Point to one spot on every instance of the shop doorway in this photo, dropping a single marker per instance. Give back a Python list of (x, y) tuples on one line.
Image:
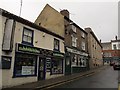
[(41, 69)]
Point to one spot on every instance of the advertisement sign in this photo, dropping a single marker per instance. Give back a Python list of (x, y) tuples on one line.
[(26, 48), (28, 70)]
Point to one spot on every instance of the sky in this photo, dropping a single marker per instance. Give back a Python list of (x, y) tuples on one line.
[(100, 15)]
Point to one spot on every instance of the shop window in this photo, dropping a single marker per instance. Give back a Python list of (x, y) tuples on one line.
[(74, 60), (6, 62), (27, 36), (82, 62), (57, 67), (25, 65), (56, 44)]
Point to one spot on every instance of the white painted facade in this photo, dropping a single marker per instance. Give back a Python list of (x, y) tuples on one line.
[(117, 44), (40, 40)]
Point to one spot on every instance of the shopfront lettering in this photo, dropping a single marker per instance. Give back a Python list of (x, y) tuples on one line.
[(28, 49), (57, 54), (76, 51)]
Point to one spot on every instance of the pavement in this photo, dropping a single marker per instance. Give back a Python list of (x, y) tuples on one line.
[(54, 81)]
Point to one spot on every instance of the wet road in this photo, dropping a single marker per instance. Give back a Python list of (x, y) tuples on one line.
[(105, 78)]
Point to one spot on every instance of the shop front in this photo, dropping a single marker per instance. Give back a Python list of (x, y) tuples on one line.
[(38, 62), (75, 61), (54, 65), (25, 61)]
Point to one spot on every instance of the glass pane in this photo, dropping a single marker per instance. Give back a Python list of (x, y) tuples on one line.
[(25, 38), (30, 33), (26, 32), (29, 40)]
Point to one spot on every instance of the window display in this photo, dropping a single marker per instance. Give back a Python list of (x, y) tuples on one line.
[(82, 62), (57, 66), (25, 65)]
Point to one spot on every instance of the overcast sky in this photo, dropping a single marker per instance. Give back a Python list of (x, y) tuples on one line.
[(100, 15)]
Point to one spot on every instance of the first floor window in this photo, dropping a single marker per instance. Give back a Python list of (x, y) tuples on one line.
[(27, 36), (56, 44), (83, 45), (114, 46), (74, 41), (25, 65)]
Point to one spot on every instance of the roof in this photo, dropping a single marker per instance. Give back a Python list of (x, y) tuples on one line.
[(115, 40), (74, 24), (94, 36), (26, 22)]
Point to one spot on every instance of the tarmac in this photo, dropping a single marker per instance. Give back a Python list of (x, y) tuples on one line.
[(42, 84)]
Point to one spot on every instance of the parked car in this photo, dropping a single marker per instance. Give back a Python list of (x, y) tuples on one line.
[(116, 66), (112, 63)]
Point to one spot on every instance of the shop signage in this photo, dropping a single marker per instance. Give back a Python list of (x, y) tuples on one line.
[(76, 51), (28, 48), (28, 70), (58, 54)]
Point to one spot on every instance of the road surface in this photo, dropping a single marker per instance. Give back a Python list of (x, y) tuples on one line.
[(105, 78)]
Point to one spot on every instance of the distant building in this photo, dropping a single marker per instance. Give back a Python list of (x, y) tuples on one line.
[(111, 51), (94, 49)]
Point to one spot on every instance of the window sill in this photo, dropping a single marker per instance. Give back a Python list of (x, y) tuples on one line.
[(20, 76)]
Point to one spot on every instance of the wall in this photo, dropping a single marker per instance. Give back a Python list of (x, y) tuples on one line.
[(117, 45), (49, 19), (1, 37), (106, 46), (42, 42), (94, 49)]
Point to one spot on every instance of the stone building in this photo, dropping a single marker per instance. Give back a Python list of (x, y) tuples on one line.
[(94, 49), (76, 57)]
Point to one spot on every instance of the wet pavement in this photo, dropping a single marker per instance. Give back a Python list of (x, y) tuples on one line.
[(104, 78)]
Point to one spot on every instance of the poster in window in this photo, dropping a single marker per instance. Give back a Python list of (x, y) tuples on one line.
[(28, 70), (82, 63)]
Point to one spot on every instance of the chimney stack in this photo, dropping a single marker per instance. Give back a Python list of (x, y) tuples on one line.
[(65, 13), (116, 37), (100, 40)]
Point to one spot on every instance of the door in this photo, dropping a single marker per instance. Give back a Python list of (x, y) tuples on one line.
[(41, 69), (68, 65)]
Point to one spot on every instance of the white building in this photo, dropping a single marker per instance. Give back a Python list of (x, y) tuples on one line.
[(29, 52), (115, 44)]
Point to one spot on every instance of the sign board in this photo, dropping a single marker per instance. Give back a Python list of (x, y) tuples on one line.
[(28, 70), (26, 48), (76, 51)]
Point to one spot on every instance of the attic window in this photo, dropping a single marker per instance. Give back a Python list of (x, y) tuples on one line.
[(39, 23)]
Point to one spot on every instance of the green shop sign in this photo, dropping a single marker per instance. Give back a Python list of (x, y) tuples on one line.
[(58, 54), (28, 49)]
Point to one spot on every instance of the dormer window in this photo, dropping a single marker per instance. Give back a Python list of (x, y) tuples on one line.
[(74, 28), (83, 34)]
